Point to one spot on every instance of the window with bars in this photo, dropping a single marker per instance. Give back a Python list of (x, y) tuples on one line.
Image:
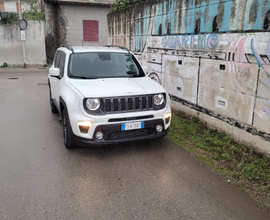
[(90, 30)]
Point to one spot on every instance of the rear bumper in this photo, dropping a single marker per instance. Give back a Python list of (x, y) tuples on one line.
[(113, 134)]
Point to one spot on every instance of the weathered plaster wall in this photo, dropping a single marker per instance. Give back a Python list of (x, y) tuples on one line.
[(11, 44), (212, 56), (76, 14), (64, 25)]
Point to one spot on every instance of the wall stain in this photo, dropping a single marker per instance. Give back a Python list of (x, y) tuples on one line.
[(228, 120), (253, 12)]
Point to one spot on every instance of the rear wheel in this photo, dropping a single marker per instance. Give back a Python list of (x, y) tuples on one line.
[(52, 105), (67, 131)]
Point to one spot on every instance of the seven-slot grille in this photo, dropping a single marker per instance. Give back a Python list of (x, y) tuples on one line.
[(128, 104)]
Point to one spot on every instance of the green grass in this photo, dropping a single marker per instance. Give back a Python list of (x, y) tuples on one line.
[(237, 162)]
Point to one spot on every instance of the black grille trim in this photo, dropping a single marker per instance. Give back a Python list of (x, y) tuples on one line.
[(130, 104), (127, 104), (130, 118), (129, 134)]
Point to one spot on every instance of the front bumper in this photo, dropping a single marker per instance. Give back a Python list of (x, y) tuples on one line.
[(113, 133)]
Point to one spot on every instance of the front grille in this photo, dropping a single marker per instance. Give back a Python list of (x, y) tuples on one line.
[(124, 104), (129, 134), (128, 104)]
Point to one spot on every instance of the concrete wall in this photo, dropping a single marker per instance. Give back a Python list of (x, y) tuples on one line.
[(11, 44), (212, 56), (64, 25)]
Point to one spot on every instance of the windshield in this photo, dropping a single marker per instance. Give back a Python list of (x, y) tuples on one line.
[(103, 65)]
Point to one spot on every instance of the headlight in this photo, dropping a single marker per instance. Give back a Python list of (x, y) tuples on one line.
[(92, 104), (158, 99)]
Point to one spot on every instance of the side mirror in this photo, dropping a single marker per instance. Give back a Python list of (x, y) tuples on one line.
[(145, 69), (55, 72)]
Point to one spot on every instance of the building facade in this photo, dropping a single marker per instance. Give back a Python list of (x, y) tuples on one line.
[(75, 23)]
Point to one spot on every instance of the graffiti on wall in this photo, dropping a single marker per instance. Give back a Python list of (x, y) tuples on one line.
[(243, 75), (265, 82), (189, 42), (189, 18)]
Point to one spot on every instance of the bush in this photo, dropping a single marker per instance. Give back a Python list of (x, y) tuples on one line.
[(8, 17), (4, 65)]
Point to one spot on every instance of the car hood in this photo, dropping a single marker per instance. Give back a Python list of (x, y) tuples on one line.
[(111, 87)]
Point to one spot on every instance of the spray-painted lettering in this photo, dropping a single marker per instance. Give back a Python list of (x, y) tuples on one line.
[(188, 42)]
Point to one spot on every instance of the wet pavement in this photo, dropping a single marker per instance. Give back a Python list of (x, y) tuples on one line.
[(41, 179)]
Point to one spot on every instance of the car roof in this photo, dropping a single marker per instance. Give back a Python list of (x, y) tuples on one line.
[(83, 49)]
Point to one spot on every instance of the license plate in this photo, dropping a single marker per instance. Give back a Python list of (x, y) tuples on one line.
[(132, 126)]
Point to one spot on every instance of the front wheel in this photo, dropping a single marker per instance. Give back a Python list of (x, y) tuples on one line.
[(67, 131)]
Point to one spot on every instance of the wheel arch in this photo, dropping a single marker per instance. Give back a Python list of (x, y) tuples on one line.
[(62, 106)]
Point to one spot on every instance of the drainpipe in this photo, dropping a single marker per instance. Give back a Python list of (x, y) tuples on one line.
[(20, 17)]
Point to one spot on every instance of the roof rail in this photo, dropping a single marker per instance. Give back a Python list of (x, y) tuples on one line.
[(124, 48), (68, 47)]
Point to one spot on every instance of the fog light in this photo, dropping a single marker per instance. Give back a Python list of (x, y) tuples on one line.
[(84, 126), (99, 135), (159, 128)]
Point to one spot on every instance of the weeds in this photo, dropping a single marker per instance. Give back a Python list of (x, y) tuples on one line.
[(4, 65), (237, 162)]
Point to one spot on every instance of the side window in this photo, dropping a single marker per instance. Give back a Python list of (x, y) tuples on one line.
[(62, 64), (57, 59)]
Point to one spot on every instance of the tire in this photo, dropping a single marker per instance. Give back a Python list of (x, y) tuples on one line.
[(52, 105), (67, 131)]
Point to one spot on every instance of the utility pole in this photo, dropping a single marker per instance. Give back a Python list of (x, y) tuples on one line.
[(20, 17)]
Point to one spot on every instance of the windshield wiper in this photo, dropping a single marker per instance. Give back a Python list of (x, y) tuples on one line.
[(81, 77)]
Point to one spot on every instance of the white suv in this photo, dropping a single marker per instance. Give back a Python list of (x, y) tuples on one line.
[(104, 96)]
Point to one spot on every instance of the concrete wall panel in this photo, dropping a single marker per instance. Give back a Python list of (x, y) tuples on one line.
[(261, 115), (225, 102), (11, 44), (180, 76), (180, 87), (242, 78), (154, 57), (184, 67)]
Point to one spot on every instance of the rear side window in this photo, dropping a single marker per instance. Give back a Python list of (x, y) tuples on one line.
[(62, 63), (57, 59)]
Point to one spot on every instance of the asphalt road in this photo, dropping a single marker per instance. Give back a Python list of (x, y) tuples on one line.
[(41, 179)]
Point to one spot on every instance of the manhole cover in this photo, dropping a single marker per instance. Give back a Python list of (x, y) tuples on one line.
[(42, 84), (13, 78)]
